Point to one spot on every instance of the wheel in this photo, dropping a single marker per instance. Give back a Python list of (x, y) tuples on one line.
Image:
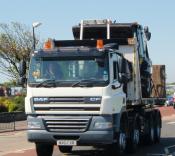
[(44, 149), (119, 147), (122, 136), (65, 149), (149, 137), (157, 128), (134, 137)]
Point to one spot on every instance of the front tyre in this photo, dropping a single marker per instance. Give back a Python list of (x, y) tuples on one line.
[(43, 149), (122, 136), (121, 142), (65, 149), (119, 147)]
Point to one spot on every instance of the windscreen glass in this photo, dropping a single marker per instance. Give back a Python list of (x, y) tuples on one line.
[(66, 72)]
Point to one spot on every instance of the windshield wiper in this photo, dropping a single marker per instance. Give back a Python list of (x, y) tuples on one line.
[(46, 83), (84, 83)]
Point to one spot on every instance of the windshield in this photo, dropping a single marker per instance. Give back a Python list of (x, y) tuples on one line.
[(68, 72)]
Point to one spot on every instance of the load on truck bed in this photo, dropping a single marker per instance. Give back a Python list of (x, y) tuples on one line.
[(95, 90), (132, 41)]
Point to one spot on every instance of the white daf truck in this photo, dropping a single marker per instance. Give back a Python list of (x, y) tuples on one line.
[(94, 90)]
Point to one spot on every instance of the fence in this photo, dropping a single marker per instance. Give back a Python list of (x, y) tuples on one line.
[(12, 121)]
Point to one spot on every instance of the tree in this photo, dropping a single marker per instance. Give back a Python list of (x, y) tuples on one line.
[(16, 43)]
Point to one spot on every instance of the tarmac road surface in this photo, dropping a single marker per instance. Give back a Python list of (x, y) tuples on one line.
[(13, 143), (168, 139)]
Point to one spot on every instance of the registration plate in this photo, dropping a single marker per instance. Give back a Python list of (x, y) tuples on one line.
[(67, 142)]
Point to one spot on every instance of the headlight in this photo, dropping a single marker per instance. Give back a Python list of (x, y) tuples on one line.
[(103, 125), (33, 125)]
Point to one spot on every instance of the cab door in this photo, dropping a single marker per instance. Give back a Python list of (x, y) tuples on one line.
[(118, 95)]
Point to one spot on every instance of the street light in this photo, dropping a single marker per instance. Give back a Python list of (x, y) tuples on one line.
[(35, 25)]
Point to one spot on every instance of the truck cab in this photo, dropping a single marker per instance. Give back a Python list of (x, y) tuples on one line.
[(81, 101)]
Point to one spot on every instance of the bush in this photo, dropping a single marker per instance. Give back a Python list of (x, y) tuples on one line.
[(8, 103), (3, 108), (19, 102), (12, 104)]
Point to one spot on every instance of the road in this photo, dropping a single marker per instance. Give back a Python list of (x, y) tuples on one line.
[(15, 144)]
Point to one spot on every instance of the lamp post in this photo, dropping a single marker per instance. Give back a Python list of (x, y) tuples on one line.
[(35, 25)]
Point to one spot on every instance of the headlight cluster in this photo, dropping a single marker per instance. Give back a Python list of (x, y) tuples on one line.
[(34, 123), (102, 125), (102, 122)]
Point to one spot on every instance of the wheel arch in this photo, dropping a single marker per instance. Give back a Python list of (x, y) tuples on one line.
[(122, 117)]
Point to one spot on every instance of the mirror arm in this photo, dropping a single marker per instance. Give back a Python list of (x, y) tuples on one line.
[(22, 81), (114, 87)]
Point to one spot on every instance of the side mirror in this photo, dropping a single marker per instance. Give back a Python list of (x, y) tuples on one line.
[(147, 33), (22, 68), (22, 72), (22, 81)]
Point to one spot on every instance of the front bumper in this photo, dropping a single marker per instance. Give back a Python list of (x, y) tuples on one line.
[(92, 136), (86, 138)]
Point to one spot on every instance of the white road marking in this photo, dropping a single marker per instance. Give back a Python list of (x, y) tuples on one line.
[(171, 123), (19, 151)]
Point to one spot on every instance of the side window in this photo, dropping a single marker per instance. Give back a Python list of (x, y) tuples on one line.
[(115, 73)]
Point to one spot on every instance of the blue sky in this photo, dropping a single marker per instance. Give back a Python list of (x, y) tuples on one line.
[(58, 16)]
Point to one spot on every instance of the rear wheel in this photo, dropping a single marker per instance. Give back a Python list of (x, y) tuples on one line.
[(65, 149), (149, 137), (157, 128), (134, 137), (44, 149)]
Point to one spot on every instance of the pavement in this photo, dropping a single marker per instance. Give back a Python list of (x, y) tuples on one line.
[(167, 112), (15, 143)]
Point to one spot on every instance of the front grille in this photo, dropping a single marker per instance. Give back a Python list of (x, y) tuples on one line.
[(66, 124), (68, 105)]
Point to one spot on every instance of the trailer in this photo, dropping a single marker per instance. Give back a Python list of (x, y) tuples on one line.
[(95, 90)]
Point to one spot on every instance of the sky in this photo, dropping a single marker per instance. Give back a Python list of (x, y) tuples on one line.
[(58, 17)]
